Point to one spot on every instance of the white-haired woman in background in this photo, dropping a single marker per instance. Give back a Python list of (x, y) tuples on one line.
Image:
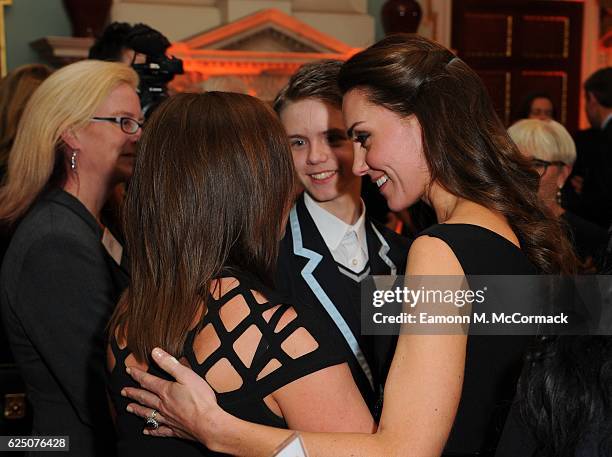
[(553, 153), (61, 275)]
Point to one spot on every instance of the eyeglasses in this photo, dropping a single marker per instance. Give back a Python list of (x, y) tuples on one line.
[(542, 165), (127, 124)]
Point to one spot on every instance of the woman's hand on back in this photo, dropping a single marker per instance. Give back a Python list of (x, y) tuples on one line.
[(186, 408)]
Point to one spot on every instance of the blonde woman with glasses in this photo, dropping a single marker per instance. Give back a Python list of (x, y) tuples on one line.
[(61, 275)]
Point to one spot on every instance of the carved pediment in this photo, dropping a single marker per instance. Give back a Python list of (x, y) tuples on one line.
[(269, 39), (267, 31), (255, 55)]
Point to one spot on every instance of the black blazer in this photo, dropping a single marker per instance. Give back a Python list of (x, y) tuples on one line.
[(594, 164), (58, 290), (309, 277)]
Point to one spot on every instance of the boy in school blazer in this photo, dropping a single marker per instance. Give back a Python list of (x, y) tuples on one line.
[(330, 244)]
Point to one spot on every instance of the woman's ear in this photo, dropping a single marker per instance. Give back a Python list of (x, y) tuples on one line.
[(70, 139), (564, 172)]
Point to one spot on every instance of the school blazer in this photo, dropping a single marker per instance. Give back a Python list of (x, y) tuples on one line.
[(309, 277)]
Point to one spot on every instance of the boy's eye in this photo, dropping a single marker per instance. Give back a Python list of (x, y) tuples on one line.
[(297, 142)]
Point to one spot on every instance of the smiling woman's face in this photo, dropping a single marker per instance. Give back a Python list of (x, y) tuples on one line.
[(388, 148)]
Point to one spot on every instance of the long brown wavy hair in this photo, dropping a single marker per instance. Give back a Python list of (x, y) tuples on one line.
[(467, 148), (212, 182)]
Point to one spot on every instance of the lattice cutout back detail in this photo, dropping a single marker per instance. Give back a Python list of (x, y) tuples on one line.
[(252, 339), (245, 344)]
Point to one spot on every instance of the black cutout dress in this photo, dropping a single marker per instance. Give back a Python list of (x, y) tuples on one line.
[(247, 401)]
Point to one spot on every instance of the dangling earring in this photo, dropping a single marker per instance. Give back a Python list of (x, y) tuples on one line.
[(73, 161), (558, 196)]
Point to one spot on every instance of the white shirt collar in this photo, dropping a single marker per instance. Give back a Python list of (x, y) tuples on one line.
[(333, 229), (606, 121)]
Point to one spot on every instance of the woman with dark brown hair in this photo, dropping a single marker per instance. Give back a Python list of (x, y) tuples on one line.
[(204, 214), (536, 105), (426, 129), (16, 88)]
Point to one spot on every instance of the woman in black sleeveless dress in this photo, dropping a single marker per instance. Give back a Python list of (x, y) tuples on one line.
[(201, 285), (425, 129)]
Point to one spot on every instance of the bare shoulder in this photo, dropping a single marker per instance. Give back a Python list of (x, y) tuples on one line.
[(432, 256)]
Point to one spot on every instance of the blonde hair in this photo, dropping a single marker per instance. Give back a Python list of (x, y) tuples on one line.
[(16, 88), (65, 101), (544, 140)]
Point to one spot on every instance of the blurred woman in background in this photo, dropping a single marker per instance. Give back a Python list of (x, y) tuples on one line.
[(537, 105), (16, 88)]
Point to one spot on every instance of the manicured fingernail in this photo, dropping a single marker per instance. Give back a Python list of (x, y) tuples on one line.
[(128, 370), (145, 432), (129, 409), (123, 393), (157, 352)]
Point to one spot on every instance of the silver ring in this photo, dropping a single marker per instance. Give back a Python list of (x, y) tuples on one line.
[(150, 422)]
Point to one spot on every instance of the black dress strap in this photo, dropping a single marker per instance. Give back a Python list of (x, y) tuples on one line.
[(481, 251)]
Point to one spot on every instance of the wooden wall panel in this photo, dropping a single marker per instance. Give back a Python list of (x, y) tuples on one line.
[(499, 84), (543, 37), (536, 46), (498, 30)]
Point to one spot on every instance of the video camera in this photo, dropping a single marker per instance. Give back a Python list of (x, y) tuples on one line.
[(158, 69), (155, 74)]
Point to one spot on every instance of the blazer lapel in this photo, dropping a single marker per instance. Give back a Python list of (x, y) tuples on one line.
[(325, 282), (378, 252)]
